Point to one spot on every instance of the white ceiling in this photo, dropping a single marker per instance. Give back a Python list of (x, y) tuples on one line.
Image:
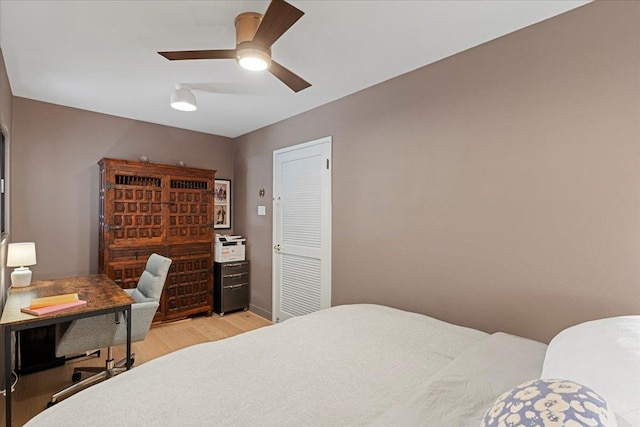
[(101, 55)]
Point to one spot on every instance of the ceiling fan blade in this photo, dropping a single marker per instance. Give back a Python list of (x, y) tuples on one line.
[(278, 18), (199, 54), (287, 77)]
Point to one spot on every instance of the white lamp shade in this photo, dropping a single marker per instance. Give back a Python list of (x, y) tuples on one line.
[(183, 100), (21, 254)]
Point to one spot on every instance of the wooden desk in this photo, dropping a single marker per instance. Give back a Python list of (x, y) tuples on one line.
[(103, 296)]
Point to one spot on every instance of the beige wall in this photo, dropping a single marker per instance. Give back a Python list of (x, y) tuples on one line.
[(498, 188), (55, 175)]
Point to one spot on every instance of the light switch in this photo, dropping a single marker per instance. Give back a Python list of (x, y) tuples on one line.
[(262, 210)]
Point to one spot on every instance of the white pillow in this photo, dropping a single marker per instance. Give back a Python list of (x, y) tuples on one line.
[(604, 355)]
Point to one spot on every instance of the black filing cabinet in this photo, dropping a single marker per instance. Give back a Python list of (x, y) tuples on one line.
[(230, 286)]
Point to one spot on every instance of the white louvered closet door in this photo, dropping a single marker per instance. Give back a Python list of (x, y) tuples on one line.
[(301, 229)]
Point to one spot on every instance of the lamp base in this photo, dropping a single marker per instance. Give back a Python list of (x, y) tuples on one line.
[(21, 277)]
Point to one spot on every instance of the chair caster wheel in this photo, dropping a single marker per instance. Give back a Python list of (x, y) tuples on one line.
[(76, 376), (50, 404)]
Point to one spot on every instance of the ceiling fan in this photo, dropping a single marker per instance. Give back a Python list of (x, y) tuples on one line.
[(255, 34)]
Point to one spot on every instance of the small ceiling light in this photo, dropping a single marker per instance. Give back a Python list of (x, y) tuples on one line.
[(183, 99), (252, 57)]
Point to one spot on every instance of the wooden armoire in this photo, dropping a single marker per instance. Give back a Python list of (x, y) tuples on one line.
[(147, 208)]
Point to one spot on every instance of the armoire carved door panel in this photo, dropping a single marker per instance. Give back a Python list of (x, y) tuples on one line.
[(190, 210), (188, 285), (126, 275), (150, 208), (137, 213), (127, 263)]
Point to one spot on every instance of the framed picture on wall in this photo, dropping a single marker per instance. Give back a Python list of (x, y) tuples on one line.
[(222, 203)]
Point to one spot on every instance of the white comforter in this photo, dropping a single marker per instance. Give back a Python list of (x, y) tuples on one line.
[(344, 366)]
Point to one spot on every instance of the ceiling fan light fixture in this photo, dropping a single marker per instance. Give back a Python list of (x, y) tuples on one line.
[(183, 99), (254, 59)]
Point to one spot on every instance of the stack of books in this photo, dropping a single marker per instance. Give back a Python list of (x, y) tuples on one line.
[(47, 305)]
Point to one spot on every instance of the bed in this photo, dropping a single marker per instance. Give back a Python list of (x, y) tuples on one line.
[(344, 366)]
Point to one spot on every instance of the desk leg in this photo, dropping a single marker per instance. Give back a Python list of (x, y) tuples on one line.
[(7, 374), (128, 337)]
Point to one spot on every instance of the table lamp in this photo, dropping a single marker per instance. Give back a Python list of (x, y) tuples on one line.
[(21, 255)]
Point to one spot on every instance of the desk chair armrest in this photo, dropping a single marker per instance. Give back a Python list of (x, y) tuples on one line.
[(142, 314), (81, 335)]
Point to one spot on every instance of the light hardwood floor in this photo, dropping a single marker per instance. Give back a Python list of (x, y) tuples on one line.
[(33, 391)]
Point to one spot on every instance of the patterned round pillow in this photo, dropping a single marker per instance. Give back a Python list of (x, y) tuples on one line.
[(549, 403)]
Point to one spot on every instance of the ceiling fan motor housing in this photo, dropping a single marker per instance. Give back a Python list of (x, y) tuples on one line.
[(246, 49), (246, 25)]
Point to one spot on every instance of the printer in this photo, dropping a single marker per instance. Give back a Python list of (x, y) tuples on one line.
[(229, 248)]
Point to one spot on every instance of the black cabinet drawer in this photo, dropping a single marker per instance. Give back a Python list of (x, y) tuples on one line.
[(235, 279), (231, 268), (235, 297)]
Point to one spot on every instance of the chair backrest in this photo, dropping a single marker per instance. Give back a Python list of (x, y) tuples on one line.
[(152, 279), (147, 295)]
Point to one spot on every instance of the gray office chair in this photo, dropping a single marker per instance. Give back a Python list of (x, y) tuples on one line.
[(87, 334)]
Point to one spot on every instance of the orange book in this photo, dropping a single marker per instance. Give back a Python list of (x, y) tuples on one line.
[(53, 300), (52, 308)]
